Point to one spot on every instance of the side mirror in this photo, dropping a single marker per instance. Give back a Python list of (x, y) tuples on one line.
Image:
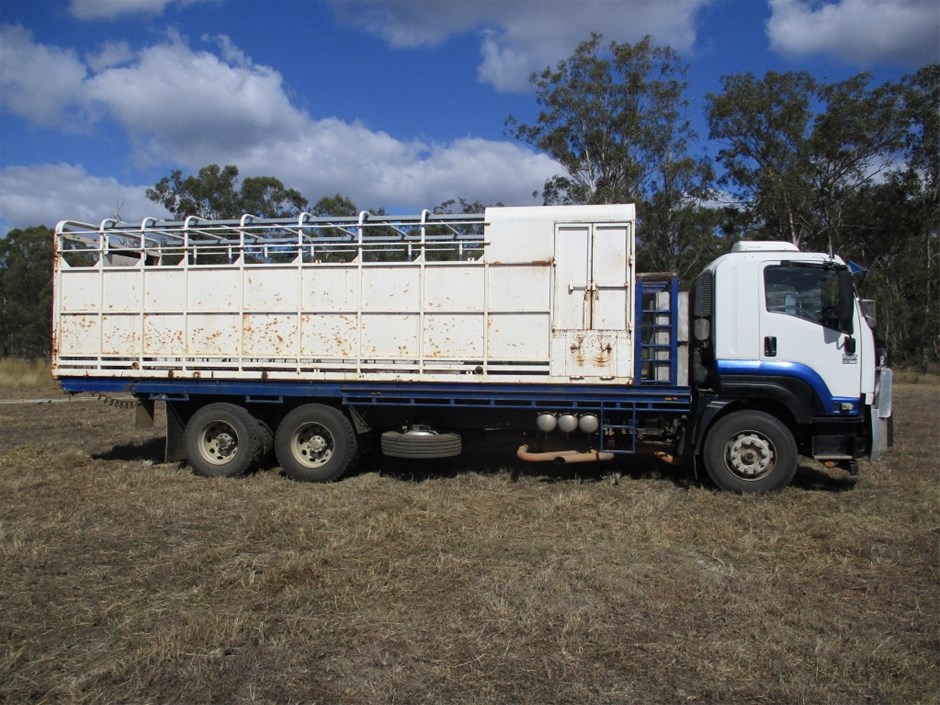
[(846, 302)]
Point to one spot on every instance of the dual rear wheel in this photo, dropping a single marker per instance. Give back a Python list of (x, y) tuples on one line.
[(223, 440), (313, 443)]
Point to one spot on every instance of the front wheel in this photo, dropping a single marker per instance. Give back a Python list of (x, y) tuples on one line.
[(750, 451), (315, 443), (222, 441)]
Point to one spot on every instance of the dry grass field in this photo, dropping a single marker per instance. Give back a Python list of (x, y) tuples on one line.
[(125, 580)]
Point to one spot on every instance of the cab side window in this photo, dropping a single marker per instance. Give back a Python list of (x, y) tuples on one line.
[(810, 293)]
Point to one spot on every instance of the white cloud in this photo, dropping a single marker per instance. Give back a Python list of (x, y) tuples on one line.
[(405, 23), (180, 103), (863, 32), (519, 37), (185, 108), (377, 170), (108, 55), (44, 194), (38, 82), (114, 9)]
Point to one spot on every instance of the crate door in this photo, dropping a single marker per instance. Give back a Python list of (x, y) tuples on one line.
[(591, 306)]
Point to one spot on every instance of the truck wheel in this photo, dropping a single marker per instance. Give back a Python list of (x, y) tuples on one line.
[(315, 443), (266, 437), (420, 445), (222, 441), (750, 451)]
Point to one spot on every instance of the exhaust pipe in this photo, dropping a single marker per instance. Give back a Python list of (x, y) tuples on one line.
[(563, 457)]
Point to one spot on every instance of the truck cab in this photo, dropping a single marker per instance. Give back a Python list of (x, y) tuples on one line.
[(782, 333)]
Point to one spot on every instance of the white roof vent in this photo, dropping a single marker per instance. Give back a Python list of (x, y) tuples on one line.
[(763, 246)]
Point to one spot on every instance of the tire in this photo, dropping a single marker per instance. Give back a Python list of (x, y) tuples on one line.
[(266, 436), (411, 445), (222, 441), (750, 452), (315, 443)]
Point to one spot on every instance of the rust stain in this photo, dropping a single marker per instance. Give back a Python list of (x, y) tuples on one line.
[(578, 349), (603, 357)]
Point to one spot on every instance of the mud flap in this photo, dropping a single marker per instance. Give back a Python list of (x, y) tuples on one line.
[(175, 448), (882, 419)]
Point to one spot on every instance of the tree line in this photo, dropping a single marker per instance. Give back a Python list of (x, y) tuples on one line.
[(846, 167)]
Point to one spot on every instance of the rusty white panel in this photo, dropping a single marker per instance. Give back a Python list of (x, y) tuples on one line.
[(596, 353), (515, 336), (454, 336), (79, 335), (273, 335), (122, 291), (388, 336), (454, 288), (164, 334), (214, 289), (572, 277), (391, 288), (165, 289), (120, 335), (519, 288), (81, 290), (611, 304), (527, 233), (331, 289), (215, 334), (329, 336), (559, 357), (272, 289)]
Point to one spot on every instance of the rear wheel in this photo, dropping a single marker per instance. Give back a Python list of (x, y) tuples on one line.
[(315, 443), (222, 441), (266, 438), (750, 451)]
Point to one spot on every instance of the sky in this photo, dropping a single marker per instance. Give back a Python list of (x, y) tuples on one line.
[(397, 104)]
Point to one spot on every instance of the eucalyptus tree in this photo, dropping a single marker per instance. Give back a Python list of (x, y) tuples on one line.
[(215, 193), (614, 117), (26, 292), (794, 149)]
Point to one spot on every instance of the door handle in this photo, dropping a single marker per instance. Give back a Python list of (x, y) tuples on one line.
[(770, 346)]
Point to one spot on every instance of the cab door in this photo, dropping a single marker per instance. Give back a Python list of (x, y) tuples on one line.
[(803, 335)]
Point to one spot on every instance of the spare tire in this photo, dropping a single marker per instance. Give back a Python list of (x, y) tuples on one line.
[(420, 444)]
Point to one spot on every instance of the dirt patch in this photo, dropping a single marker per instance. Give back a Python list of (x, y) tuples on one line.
[(476, 581)]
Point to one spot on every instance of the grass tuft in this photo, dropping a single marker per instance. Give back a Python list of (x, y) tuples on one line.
[(18, 373)]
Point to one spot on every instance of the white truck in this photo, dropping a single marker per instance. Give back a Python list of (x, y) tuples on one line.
[(309, 336)]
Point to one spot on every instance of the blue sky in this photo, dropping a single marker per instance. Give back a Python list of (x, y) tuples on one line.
[(395, 103)]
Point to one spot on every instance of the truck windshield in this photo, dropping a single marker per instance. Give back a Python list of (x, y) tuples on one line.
[(810, 293)]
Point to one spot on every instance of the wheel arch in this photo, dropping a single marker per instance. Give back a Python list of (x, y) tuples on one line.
[(716, 409)]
